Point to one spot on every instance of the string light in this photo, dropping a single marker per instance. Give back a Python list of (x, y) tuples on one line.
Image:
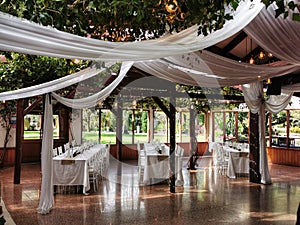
[(261, 55)]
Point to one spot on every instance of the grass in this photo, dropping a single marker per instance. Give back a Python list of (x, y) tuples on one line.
[(110, 137)]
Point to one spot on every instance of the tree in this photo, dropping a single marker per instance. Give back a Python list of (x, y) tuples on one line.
[(7, 110), (130, 20), (20, 71)]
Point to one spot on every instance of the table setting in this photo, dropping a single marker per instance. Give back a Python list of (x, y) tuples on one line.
[(72, 167)]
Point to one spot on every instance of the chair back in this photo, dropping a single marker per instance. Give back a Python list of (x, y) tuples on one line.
[(59, 149), (55, 152)]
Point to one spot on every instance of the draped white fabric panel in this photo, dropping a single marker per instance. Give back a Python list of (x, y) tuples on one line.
[(207, 69), (46, 196), (279, 36), (53, 85), (254, 98), (26, 37), (92, 100)]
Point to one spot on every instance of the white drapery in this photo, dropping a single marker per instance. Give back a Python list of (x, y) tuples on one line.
[(46, 197), (53, 85), (254, 98), (276, 35), (26, 37), (207, 69), (94, 99)]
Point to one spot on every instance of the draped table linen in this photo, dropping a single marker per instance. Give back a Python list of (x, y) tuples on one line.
[(238, 161), (157, 165), (74, 171)]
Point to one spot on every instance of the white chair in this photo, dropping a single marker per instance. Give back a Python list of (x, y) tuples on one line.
[(73, 143), (60, 150), (55, 152), (141, 162), (220, 161), (93, 172), (67, 146)]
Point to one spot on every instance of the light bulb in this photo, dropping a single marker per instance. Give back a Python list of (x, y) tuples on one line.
[(261, 55)]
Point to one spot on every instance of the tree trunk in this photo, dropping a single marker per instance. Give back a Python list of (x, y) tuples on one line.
[(6, 139)]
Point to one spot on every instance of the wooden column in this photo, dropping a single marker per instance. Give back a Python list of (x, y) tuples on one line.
[(150, 124), (132, 126), (172, 121), (206, 126), (237, 126), (192, 131), (224, 126), (99, 131), (287, 140), (167, 129), (254, 173), (19, 140), (212, 131), (64, 118), (119, 121), (270, 128), (180, 126)]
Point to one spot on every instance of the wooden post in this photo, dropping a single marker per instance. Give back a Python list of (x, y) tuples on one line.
[(224, 127), (19, 140), (180, 126), (119, 121), (212, 126), (254, 173), (193, 143), (237, 126), (270, 128), (172, 121), (287, 140), (150, 124), (132, 126)]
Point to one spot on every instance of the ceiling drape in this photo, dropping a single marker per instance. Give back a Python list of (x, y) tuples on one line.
[(20, 35), (279, 36)]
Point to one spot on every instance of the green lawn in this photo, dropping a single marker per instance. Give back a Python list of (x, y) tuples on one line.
[(110, 137)]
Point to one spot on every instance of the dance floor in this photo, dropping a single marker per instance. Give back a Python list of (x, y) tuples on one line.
[(206, 197)]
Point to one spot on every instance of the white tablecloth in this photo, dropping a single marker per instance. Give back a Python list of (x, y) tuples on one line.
[(74, 171), (157, 165), (238, 162)]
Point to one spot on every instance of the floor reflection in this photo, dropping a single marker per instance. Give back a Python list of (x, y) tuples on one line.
[(206, 197)]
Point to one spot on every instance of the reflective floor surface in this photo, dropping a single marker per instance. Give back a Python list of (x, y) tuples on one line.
[(206, 197)]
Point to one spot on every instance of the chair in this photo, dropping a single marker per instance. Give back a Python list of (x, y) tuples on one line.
[(55, 152), (93, 172), (60, 150), (141, 162), (220, 161), (73, 143), (66, 146)]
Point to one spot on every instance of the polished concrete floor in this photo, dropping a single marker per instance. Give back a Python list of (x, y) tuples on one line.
[(206, 197)]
